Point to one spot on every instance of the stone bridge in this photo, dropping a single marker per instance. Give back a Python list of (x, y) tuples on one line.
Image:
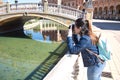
[(14, 16)]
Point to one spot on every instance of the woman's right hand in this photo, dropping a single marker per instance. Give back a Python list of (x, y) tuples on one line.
[(70, 31)]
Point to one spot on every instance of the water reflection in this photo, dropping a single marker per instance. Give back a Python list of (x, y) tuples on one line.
[(37, 35)]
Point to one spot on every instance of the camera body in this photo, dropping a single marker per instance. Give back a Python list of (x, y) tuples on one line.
[(73, 26)]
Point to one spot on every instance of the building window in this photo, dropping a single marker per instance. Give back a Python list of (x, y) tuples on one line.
[(112, 11), (94, 2), (65, 4), (68, 4), (119, 11), (73, 4)]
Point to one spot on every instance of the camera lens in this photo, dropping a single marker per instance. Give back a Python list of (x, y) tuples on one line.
[(72, 25)]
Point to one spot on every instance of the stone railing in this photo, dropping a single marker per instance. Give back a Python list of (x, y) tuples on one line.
[(65, 10), (66, 69), (3, 9), (39, 8), (26, 7)]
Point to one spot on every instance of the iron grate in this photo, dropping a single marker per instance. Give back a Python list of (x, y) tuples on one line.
[(107, 74)]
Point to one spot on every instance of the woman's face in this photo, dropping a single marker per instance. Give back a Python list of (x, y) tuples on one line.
[(77, 30)]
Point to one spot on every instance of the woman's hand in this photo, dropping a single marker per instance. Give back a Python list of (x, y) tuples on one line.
[(70, 31)]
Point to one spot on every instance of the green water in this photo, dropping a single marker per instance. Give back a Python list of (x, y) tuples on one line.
[(20, 56)]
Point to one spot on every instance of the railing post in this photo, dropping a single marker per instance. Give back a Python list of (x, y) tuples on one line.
[(89, 9), (45, 6), (8, 7), (59, 6)]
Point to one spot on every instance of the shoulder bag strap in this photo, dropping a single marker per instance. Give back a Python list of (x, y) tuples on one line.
[(92, 53)]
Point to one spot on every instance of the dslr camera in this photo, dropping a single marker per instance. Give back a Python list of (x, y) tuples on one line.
[(73, 26)]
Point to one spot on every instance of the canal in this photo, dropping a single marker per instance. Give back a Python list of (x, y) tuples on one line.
[(30, 54)]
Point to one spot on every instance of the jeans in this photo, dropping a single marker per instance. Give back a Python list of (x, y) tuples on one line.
[(94, 72)]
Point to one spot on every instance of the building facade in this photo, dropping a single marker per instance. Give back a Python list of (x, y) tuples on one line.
[(107, 9), (103, 9), (52, 1), (71, 3), (1, 1)]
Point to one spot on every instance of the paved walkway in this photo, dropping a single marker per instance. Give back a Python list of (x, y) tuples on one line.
[(114, 63), (112, 71)]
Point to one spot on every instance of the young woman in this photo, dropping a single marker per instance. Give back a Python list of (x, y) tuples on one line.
[(88, 40)]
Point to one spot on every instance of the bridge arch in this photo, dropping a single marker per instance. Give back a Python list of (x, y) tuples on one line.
[(29, 16), (20, 19)]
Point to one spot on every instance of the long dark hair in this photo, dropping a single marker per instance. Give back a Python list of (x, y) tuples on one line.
[(86, 29)]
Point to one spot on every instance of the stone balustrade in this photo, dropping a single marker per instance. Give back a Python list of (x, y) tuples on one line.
[(66, 69), (38, 8)]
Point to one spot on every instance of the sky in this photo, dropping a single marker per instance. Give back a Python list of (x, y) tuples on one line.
[(22, 1)]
